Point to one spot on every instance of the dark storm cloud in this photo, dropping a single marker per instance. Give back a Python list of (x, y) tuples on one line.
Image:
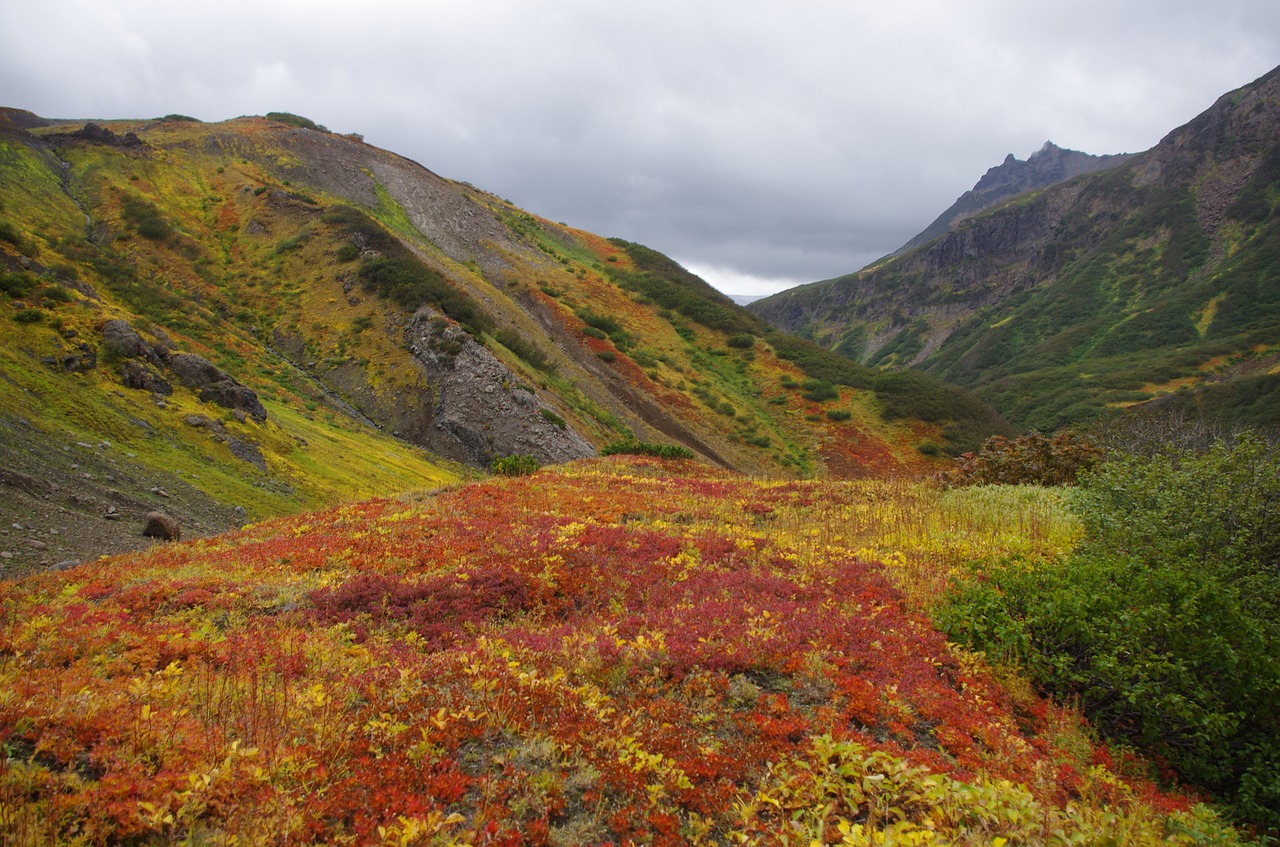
[(762, 143)]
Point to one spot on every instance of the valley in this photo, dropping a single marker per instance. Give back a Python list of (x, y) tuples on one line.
[(466, 527)]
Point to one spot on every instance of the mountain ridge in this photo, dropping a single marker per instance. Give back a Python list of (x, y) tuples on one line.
[(1144, 281), (1048, 165)]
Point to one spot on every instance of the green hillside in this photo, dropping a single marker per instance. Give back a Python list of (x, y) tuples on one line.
[(260, 316), (1153, 279)]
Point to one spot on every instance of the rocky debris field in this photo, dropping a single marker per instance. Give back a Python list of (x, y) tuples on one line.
[(67, 502)]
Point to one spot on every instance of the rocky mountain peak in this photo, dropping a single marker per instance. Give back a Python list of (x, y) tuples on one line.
[(1049, 165)]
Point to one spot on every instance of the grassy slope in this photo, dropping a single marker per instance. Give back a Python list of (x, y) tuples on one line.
[(615, 650), (314, 454), (249, 255)]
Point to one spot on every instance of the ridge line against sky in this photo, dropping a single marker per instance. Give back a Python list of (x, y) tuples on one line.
[(761, 144)]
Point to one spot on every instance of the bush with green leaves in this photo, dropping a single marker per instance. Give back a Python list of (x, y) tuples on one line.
[(519, 465), (18, 283), (145, 217), (820, 391), (1165, 625), (296, 120), (635, 447)]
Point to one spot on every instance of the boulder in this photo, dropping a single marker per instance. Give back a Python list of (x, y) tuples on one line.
[(124, 340), (214, 385), (136, 375), (162, 526)]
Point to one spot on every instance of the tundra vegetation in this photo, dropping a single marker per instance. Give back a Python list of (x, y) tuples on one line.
[(643, 650)]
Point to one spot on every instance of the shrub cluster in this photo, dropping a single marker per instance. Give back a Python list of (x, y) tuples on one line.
[(672, 287), (518, 465), (296, 120), (1165, 625), (439, 609), (646, 448), (391, 270), (145, 217), (524, 348), (18, 283), (1031, 459)]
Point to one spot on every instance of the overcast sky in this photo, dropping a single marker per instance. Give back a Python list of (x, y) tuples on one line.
[(762, 144)]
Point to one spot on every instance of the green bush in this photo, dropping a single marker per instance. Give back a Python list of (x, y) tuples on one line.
[(646, 448), (8, 232), (1165, 626), (741, 341), (819, 391), (519, 465), (524, 348), (398, 275), (28, 316), (145, 217), (18, 283), (552, 418), (609, 326), (296, 120), (839, 414)]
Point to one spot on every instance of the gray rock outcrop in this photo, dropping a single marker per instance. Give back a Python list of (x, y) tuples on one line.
[(481, 410)]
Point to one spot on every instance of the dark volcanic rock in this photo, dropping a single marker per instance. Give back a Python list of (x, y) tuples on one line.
[(85, 358), (1047, 166), (214, 385), (101, 135), (123, 340), (138, 376)]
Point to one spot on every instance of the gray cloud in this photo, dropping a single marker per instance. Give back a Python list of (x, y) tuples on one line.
[(766, 143)]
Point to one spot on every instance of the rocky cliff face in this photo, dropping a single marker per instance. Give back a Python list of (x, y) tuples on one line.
[(1047, 166), (481, 410)]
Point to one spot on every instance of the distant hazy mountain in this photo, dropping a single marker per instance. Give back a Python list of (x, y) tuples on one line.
[(1157, 278)]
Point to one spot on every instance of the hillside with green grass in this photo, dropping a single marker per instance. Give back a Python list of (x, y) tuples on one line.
[(231, 321), (1152, 281)]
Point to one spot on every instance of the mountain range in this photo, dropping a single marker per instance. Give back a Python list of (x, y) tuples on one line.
[(1116, 282)]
